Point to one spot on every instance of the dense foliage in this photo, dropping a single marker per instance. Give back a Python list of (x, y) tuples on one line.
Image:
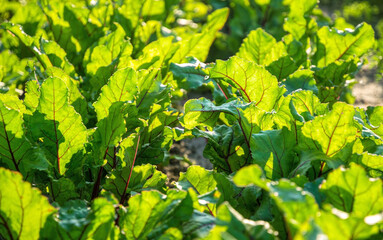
[(90, 107)]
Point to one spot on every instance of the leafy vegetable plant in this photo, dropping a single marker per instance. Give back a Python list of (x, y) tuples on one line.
[(90, 108)]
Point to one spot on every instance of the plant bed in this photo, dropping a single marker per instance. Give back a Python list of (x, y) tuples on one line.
[(91, 121)]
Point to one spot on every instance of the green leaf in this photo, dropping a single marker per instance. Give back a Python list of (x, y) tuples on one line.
[(273, 151), (231, 225), (23, 209), (76, 220), (112, 52), (259, 47), (157, 137), (330, 133), (338, 224), (121, 87), (15, 149), (57, 125), (189, 75), (254, 82), (49, 53), (144, 211), (336, 45), (144, 177), (371, 162), (376, 119), (301, 79), (109, 131), (76, 99), (226, 148), (241, 178), (200, 180), (202, 112), (308, 105), (353, 191), (297, 20), (156, 54), (32, 95), (198, 45), (298, 207)]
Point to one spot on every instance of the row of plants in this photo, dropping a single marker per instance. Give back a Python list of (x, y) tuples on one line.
[(90, 107)]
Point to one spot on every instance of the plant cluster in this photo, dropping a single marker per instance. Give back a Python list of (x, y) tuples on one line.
[(89, 109)]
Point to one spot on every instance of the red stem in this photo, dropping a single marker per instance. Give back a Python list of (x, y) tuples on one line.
[(130, 173)]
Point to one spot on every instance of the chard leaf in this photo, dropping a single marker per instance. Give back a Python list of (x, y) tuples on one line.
[(32, 95), (273, 151), (199, 180), (297, 20), (109, 131), (57, 124), (143, 213), (262, 48), (308, 105), (372, 163), (298, 207), (375, 117), (15, 149), (231, 225), (259, 47), (301, 79), (144, 177), (353, 191), (75, 220), (75, 97), (254, 82), (189, 75), (49, 53), (157, 137), (121, 87), (178, 211), (331, 132), (23, 209), (156, 54), (107, 56), (198, 45), (62, 190), (336, 45), (202, 112), (226, 148), (338, 224)]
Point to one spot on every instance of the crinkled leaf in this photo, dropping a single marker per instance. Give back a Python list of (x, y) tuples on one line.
[(189, 75), (231, 225), (56, 125), (226, 148), (259, 47), (15, 149), (353, 191), (108, 55), (75, 220), (143, 213), (301, 79), (122, 86), (372, 163), (273, 151), (109, 130), (331, 132), (23, 209), (200, 181), (32, 95), (198, 45), (144, 177), (335, 44), (254, 82)]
